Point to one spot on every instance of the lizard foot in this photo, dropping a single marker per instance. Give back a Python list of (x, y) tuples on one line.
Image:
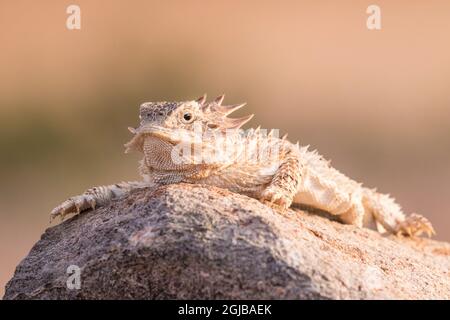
[(415, 225), (275, 196), (73, 205)]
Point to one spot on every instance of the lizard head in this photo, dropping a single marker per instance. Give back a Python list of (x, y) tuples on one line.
[(177, 122)]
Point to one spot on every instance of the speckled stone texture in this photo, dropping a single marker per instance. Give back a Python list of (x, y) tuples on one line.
[(195, 242)]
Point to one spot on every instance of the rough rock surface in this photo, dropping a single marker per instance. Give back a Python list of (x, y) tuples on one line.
[(196, 242)]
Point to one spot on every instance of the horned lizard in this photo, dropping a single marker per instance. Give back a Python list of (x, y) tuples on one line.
[(184, 142)]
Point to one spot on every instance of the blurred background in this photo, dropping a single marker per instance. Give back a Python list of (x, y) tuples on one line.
[(375, 102)]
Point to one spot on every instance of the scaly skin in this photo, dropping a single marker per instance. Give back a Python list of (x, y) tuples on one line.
[(259, 165)]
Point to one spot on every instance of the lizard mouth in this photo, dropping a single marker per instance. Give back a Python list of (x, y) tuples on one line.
[(171, 136)]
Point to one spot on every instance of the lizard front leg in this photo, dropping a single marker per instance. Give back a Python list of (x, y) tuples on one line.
[(95, 197), (285, 182), (102, 195)]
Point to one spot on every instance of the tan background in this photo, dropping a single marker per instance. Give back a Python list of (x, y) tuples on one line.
[(375, 102)]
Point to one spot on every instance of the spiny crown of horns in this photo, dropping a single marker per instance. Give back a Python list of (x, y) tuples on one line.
[(220, 113)]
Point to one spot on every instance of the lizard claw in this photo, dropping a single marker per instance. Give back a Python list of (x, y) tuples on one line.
[(62, 210), (75, 204), (275, 196), (92, 203), (415, 225)]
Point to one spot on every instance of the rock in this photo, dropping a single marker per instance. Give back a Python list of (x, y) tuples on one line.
[(195, 242)]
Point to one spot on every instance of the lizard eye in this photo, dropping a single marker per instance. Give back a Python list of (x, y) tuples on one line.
[(188, 117)]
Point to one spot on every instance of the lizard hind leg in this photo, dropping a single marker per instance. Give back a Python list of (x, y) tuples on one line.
[(355, 214), (415, 225), (389, 214)]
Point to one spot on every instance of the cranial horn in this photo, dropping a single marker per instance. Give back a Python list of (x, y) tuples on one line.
[(226, 110), (219, 99), (201, 100), (238, 122)]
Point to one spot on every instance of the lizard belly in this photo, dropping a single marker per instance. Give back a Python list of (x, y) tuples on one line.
[(244, 180), (322, 194)]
